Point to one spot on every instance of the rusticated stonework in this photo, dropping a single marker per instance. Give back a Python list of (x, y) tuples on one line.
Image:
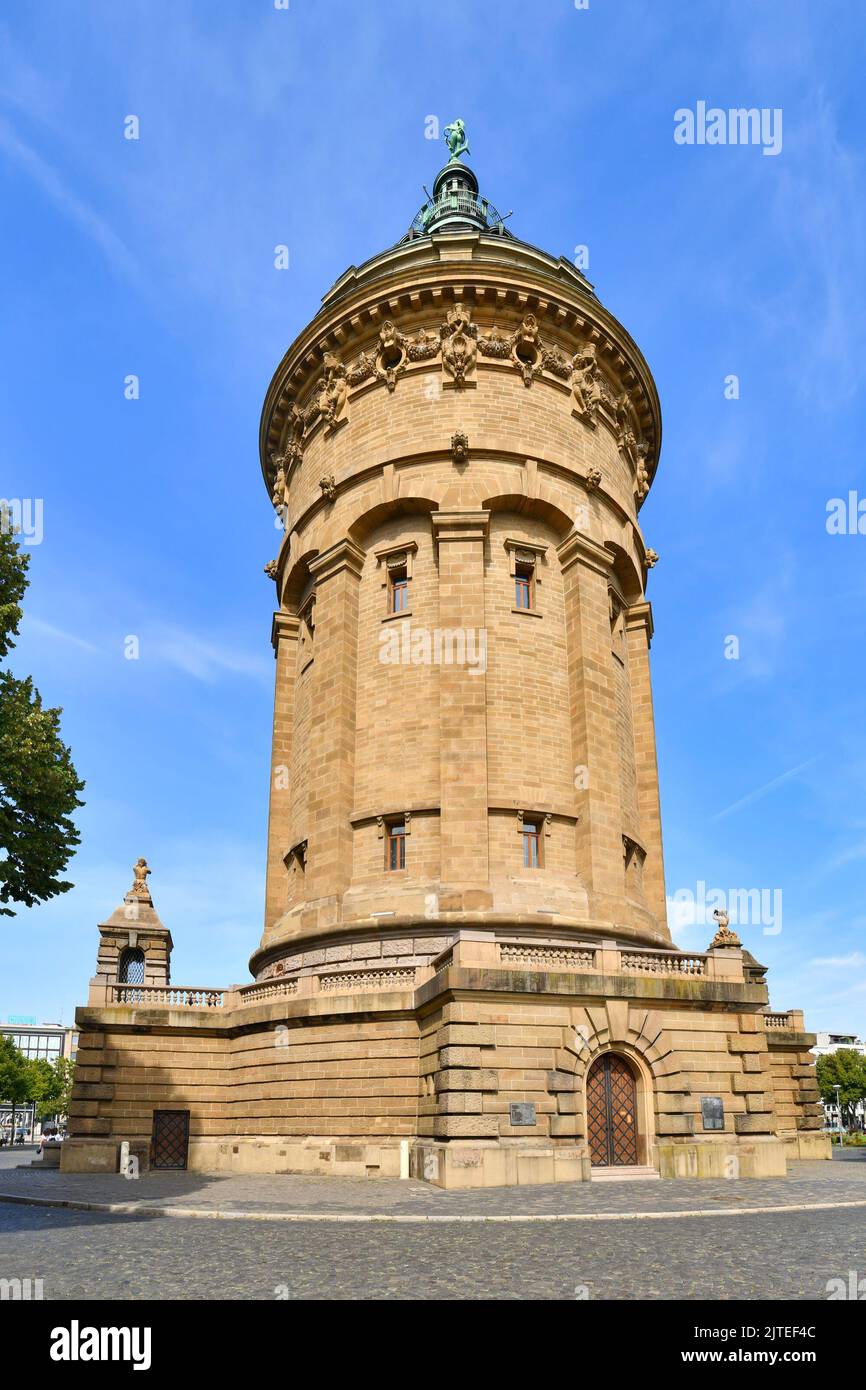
[(465, 900)]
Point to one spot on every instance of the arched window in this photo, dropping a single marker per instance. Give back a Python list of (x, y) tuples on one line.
[(131, 971)]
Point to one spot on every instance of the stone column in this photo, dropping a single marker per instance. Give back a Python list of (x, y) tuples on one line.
[(337, 573), (595, 741), (639, 629), (460, 538), (284, 638)]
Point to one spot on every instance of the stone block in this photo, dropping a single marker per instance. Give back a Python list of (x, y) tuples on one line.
[(459, 1057), (460, 1103), (466, 1126), (676, 1124), (759, 1103), (561, 1081), (753, 1124), (566, 1125), (743, 1085), (467, 1034), (481, 1079)]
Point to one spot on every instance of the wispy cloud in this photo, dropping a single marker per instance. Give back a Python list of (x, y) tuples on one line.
[(70, 204), (852, 961), (764, 790), (58, 634), (204, 660)]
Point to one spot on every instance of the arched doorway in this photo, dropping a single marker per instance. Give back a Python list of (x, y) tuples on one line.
[(611, 1112)]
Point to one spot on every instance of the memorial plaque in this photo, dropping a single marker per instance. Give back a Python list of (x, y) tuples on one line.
[(522, 1112), (713, 1112)]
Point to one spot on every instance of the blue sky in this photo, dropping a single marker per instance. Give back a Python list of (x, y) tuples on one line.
[(156, 257)]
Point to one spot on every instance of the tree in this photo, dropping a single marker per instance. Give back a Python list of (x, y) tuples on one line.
[(55, 1089), (845, 1068), (38, 784), (16, 1078)]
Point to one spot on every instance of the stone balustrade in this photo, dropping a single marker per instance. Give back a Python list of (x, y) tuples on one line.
[(168, 997), (559, 957), (791, 1021), (638, 962)]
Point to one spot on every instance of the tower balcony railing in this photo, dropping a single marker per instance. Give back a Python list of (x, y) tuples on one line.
[(456, 203)]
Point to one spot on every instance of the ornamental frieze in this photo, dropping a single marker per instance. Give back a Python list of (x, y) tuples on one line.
[(459, 343)]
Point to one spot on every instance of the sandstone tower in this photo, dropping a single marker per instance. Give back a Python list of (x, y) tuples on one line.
[(466, 966)]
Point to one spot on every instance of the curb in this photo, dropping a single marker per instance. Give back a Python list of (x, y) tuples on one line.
[(226, 1214)]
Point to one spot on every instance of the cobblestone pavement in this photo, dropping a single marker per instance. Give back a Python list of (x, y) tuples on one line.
[(807, 1183), (81, 1255)]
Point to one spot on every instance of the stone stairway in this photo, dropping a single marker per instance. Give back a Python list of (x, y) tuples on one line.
[(633, 1173)]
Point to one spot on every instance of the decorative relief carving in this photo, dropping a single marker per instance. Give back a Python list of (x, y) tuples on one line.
[(364, 368), (642, 478), (422, 347), (459, 345), (271, 569), (526, 348), (459, 342), (333, 390), (593, 479), (544, 957), (496, 345), (651, 558), (390, 360), (586, 384), (328, 484), (556, 362), (460, 447), (350, 980)]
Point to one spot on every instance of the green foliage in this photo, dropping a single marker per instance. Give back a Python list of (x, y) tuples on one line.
[(13, 582), (38, 784), (847, 1069), (54, 1100), (16, 1074)]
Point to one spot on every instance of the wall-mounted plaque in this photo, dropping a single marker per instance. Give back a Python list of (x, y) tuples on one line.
[(522, 1112), (713, 1112)]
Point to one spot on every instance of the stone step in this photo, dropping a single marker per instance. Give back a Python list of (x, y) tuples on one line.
[(633, 1173)]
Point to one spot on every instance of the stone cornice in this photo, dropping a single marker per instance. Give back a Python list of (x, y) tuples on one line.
[(640, 615), (460, 526), (285, 626), (344, 555), (580, 549)]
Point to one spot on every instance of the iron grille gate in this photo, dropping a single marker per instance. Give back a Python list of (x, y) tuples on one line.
[(611, 1112), (170, 1138)]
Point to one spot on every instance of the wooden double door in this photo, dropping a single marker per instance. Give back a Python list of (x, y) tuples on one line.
[(611, 1112)]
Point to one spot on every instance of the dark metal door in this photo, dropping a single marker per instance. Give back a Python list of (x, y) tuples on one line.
[(170, 1138), (611, 1112)]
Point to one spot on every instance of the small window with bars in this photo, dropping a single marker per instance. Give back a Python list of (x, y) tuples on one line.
[(531, 836), (395, 845), (131, 970)]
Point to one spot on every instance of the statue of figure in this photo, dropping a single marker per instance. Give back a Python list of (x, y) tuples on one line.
[(139, 887), (725, 936), (585, 384), (455, 139), (333, 391)]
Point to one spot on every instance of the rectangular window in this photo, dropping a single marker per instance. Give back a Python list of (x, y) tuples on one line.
[(398, 589), (396, 846), (523, 576), (531, 844)]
